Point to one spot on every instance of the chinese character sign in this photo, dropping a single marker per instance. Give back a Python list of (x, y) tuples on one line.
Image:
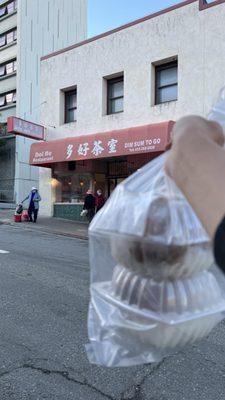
[(112, 145), (127, 141), (69, 151), (97, 149), (83, 149)]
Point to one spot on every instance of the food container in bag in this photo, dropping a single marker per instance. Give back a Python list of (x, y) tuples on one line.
[(151, 291), (151, 227)]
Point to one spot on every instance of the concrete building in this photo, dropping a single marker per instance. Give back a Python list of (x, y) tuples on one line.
[(122, 89), (8, 72), (28, 30)]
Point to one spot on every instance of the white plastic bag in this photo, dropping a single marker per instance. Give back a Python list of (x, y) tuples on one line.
[(151, 288), (83, 213)]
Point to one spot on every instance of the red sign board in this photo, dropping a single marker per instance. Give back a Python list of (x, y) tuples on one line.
[(28, 129), (130, 141)]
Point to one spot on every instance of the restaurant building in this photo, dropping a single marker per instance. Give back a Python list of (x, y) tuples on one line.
[(111, 101)]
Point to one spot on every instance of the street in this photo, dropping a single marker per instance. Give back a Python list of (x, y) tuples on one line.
[(44, 294)]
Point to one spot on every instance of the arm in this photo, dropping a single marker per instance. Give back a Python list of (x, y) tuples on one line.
[(25, 199), (196, 162), (37, 198)]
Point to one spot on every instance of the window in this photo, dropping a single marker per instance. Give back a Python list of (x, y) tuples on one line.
[(9, 8), (115, 94), (2, 40), (2, 70), (2, 11), (2, 100), (8, 68), (8, 37), (11, 67), (166, 83), (7, 98), (70, 106)]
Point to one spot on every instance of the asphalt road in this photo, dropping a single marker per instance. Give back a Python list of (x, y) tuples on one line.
[(43, 309)]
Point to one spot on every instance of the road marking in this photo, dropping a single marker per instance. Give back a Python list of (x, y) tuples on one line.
[(4, 252)]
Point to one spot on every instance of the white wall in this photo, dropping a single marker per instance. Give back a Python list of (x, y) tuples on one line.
[(196, 38), (43, 26)]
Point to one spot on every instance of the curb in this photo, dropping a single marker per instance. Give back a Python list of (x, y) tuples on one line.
[(39, 229)]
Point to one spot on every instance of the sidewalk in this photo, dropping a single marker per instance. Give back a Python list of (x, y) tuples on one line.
[(56, 226)]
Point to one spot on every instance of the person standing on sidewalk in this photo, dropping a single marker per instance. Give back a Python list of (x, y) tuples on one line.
[(34, 198), (100, 200), (89, 205)]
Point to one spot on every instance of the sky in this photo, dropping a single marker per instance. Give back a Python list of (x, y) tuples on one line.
[(104, 15)]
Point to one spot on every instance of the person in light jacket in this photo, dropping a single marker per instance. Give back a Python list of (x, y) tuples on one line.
[(34, 198)]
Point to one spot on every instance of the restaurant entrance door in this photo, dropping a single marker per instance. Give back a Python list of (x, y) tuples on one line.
[(112, 184), (117, 171)]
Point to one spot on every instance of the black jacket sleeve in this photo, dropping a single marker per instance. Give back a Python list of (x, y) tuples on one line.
[(89, 202), (219, 245)]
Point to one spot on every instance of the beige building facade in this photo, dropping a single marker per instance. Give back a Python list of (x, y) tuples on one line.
[(160, 68)]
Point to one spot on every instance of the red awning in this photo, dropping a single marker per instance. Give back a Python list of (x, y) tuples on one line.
[(129, 141)]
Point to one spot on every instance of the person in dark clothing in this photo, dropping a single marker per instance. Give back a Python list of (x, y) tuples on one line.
[(89, 205), (34, 199), (100, 200)]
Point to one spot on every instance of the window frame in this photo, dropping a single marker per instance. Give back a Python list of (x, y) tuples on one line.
[(66, 94), (203, 4), (158, 69), (6, 8), (5, 36), (4, 96), (110, 82), (5, 66)]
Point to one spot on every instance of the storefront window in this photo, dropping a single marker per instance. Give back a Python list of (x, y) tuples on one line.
[(71, 187)]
